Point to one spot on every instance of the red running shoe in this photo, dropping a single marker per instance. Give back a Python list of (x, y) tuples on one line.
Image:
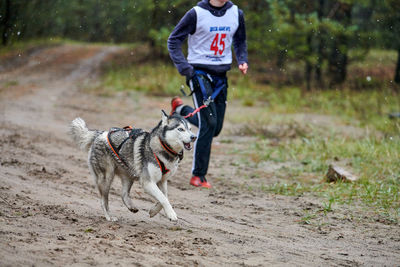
[(175, 102), (200, 182), (195, 181)]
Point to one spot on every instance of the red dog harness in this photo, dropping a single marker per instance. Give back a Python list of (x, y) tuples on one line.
[(129, 129)]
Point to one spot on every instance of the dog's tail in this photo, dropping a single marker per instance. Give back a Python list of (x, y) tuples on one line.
[(82, 136)]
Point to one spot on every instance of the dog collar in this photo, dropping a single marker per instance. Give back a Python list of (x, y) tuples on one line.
[(170, 150)]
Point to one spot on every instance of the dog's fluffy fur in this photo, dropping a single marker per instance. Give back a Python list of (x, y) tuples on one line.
[(138, 153)]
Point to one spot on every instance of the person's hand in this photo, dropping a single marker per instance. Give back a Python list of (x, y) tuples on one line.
[(243, 68)]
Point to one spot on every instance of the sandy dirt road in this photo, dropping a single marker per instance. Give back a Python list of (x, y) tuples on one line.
[(50, 212)]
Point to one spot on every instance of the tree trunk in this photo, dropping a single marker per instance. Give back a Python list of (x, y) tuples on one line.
[(338, 59), (308, 75), (6, 23), (338, 63), (397, 71), (320, 50), (281, 59), (318, 68), (309, 66), (153, 24)]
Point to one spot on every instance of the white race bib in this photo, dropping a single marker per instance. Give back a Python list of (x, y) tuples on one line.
[(212, 41)]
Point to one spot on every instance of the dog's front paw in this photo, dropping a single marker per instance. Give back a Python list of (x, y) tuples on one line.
[(172, 215)]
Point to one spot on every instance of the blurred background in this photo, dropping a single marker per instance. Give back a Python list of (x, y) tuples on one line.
[(315, 44)]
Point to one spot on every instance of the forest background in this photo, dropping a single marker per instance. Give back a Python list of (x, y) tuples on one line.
[(312, 42)]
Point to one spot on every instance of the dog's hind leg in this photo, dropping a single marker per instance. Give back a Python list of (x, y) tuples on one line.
[(104, 189), (157, 207), (103, 179), (126, 188)]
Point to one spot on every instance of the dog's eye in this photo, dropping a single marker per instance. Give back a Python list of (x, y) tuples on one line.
[(180, 129)]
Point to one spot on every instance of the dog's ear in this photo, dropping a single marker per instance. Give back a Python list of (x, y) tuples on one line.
[(164, 117)]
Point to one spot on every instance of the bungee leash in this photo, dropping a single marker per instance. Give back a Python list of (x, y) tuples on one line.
[(206, 104)]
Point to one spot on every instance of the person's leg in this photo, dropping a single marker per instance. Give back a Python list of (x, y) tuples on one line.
[(206, 122), (220, 104), (207, 125), (187, 110)]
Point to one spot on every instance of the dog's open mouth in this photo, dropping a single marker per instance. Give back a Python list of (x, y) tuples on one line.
[(188, 146)]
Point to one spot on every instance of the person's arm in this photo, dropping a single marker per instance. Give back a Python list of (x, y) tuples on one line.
[(240, 45), (186, 26)]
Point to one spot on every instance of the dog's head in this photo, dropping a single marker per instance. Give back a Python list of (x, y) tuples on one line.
[(176, 131)]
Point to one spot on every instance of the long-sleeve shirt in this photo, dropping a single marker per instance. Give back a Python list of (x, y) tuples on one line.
[(187, 25)]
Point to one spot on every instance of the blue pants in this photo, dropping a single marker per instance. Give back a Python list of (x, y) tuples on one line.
[(209, 121)]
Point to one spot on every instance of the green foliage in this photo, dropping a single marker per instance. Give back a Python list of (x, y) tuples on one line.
[(159, 38), (153, 78), (272, 25), (306, 31), (387, 17), (93, 20), (316, 34)]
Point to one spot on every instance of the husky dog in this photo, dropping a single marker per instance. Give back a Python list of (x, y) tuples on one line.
[(149, 157)]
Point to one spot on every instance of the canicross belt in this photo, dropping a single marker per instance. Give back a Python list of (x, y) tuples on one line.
[(218, 84)]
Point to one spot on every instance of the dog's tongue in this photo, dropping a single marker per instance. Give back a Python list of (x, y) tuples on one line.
[(188, 146)]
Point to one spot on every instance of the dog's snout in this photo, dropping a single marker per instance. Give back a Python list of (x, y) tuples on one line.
[(193, 138)]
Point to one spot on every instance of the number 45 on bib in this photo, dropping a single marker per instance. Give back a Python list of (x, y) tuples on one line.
[(218, 44)]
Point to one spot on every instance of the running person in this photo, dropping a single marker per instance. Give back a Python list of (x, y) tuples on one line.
[(211, 27)]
